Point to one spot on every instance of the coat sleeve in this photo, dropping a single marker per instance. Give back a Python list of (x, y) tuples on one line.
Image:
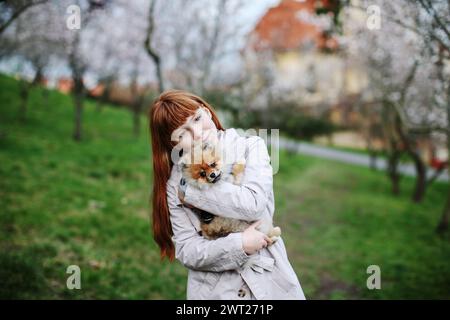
[(198, 253), (246, 201)]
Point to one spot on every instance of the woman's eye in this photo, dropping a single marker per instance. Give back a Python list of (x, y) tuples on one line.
[(197, 118), (180, 136), (203, 174)]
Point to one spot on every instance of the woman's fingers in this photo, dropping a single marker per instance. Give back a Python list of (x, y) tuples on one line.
[(254, 240), (269, 241), (264, 243)]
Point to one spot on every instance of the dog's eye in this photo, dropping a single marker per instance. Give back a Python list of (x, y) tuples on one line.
[(213, 165), (203, 174), (197, 118)]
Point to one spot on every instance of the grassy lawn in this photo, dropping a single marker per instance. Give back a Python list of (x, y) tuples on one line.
[(87, 204)]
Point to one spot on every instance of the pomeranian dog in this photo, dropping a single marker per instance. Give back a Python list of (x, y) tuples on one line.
[(203, 167)]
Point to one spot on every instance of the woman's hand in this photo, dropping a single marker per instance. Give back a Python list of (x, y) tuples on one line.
[(181, 193), (254, 240)]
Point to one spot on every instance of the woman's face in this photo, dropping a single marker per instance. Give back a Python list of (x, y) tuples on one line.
[(196, 127)]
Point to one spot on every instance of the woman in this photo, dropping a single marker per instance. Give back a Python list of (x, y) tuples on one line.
[(241, 265)]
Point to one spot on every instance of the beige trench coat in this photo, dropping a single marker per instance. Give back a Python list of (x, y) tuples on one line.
[(220, 269)]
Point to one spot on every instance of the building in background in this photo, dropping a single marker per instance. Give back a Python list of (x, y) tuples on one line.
[(291, 55)]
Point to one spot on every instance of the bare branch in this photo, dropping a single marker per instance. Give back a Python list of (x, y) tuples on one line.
[(18, 12), (430, 9), (406, 26), (148, 45)]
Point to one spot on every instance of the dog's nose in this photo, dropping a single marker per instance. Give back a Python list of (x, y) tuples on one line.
[(212, 175)]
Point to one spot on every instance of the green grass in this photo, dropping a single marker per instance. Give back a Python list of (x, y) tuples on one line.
[(339, 219), (87, 204)]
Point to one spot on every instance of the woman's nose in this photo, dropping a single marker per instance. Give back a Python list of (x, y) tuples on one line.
[(196, 133)]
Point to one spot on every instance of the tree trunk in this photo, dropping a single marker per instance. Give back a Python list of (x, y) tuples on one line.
[(373, 159), (150, 50), (45, 94), (104, 98), (24, 91), (443, 224), (137, 110), (421, 169), (421, 178), (393, 160), (136, 103), (330, 139), (78, 116), (136, 121), (38, 77), (78, 102), (38, 81), (372, 153)]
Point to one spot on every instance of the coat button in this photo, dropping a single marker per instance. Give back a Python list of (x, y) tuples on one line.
[(241, 293)]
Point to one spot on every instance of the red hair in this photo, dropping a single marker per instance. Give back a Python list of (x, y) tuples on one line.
[(169, 111)]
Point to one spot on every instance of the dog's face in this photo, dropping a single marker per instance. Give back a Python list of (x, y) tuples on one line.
[(202, 167)]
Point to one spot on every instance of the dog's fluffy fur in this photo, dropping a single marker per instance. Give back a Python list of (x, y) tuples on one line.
[(203, 167)]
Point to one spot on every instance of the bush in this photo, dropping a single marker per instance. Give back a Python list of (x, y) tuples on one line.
[(296, 123), (285, 116)]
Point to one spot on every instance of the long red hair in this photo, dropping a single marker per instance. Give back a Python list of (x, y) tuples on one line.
[(169, 111)]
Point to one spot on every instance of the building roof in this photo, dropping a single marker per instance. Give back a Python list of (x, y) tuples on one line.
[(287, 27)]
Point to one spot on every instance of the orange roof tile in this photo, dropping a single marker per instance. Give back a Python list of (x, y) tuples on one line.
[(282, 28)]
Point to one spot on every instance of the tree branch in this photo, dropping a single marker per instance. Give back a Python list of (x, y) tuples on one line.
[(406, 26), (19, 11), (417, 129), (436, 174), (148, 45), (429, 8)]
